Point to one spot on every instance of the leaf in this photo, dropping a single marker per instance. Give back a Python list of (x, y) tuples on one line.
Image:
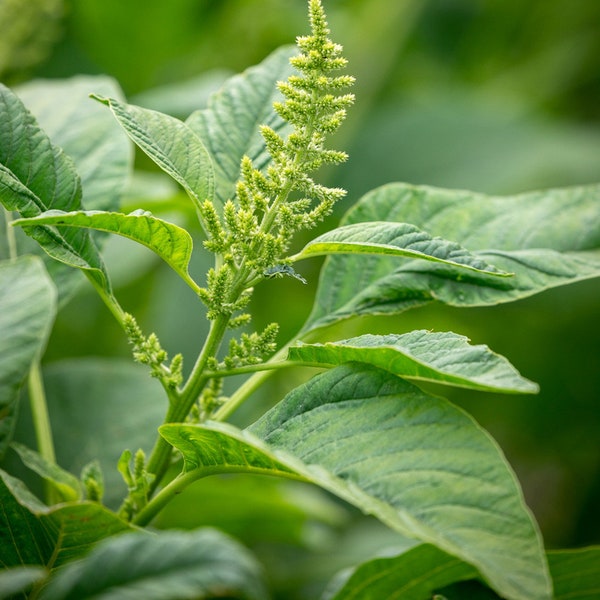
[(172, 243), (575, 573), (19, 580), (32, 533), (423, 467), (27, 311), (103, 157), (66, 483), (442, 357), (414, 461), (229, 127), (412, 575), (545, 239), (36, 176), (394, 239), (171, 144), (169, 565)]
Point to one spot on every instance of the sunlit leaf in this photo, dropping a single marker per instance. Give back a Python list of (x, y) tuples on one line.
[(545, 239), (442, 357), (229, 126), (171, 144), (27, 310), (172, 243), (394, 239), (142, 566)]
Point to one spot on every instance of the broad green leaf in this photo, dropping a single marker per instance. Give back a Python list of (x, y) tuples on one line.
[(86, 132), (19, 580), (412, 575), (171, 144), (545, 239), (576, 573), (417, 463), (66, 483), (229, 127), (169, 565), (172, 243), (441, 357), (27, 311), (394, 239), (36, 176), (32, 533)]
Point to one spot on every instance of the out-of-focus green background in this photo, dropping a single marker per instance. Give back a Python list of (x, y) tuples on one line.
[(498, 97)]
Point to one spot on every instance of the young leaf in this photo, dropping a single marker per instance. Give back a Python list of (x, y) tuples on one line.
[(412, 575), (27, 311), (171, 144), (394, 239), (175, 564), (229, 126), (545, 239), (32, 533), (86, 132), (172, 243), (417, 463), (36, 176), (443, 357)]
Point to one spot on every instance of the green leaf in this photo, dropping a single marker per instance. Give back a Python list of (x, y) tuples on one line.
[(412, 575), (169, 565), (441, 357), (32, 533), (27, 311), (172, 243), (86, 132), (394, 239), (420, 465), (416, 462), (229, 127), (545, 239), (36, 176), (171, 144), (19, 580), (575, 573), (66, 483)]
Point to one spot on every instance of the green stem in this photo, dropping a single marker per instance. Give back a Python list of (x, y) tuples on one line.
[(265, 366), (11, 239)]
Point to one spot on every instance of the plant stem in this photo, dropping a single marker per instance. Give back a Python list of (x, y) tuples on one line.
[(11, 239)]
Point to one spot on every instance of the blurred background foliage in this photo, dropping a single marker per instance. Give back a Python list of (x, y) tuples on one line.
[(498, 97)]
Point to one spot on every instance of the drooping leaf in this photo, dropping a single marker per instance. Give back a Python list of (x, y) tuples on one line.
[(172, 243), (442, 357), (36, 176), (27, 311), (66, 483), (229, 126), (545, 239), (102, 155), (32, 533), (394, 239), (171, 144), (413, 575), (169, 565), (414, 461), (576, 573)]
